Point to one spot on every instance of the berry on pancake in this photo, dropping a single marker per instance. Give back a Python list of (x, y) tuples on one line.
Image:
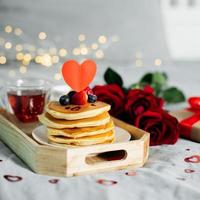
[(79, 98)]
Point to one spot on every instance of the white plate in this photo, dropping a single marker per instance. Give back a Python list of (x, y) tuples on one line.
[(40, 135), (58, 90)]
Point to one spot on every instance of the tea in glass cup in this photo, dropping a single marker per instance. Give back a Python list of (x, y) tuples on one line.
[(26, 98)]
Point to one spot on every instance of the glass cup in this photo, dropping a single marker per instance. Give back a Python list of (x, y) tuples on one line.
[(25, 98)]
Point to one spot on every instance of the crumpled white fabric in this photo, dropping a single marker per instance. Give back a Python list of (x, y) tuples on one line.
[(163, 177)]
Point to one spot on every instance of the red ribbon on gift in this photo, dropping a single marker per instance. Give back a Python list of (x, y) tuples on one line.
[(187, 123)]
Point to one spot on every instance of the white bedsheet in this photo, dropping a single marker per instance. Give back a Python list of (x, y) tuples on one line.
[(163, 177)]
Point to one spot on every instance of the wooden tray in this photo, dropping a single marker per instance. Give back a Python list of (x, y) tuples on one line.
[(74, 161)]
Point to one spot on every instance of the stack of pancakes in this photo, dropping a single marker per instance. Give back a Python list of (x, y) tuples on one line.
[(78, 125)]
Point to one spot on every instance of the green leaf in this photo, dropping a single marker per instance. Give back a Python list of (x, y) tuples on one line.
[(173, 95), (157, 88), (136, 86), (111, 76), (165, 75), (159, 78), (147, 78)]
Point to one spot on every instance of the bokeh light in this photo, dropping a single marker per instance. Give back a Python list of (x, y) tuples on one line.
[(62, 52), (18, 31), (46, 60), (81, 37), (55, 59), (76, 51), (99, 54), (84, 51), (27, 57), (22, 69), (8, 45), (42, 35), (158, 62), (94, 46), (19, 56), (2, 60), (18, 47), (102, 39), (8, 29)]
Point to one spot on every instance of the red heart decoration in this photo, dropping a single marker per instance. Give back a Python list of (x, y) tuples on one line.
[(193, 159), (53, 181), (189, 170), (131, 173), (106, 182), (78, 76), (12, 178)]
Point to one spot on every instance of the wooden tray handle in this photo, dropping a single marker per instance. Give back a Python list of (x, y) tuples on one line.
[(78, 160)]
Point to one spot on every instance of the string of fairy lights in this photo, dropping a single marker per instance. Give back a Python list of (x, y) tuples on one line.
[(49, 55)]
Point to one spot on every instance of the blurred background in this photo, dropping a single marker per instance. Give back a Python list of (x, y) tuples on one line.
[(132, 37)]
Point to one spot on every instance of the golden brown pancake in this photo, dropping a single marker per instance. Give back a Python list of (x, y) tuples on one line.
[(52, 122), (81, 132), (88, 140), (78, 125), (74, 112), (74, 146)]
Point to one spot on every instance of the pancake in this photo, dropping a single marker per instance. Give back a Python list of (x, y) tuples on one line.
[(88, 140), (52, 122), (74, 112), (74, 146), (81, 132)]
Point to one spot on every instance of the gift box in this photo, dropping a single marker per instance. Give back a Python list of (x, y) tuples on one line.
[(189, 120)]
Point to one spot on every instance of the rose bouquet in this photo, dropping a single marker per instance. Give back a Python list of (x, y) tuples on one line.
[(142, 104)]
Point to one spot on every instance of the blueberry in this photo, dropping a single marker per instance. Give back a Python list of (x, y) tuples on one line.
[(92, 98), (71, 94), (64, 100)]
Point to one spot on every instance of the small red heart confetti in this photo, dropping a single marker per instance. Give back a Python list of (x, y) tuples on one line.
[(187, 149), (193, 159), (12, 178), (130, 173), (189, 170), (106, 182), (54, 181)]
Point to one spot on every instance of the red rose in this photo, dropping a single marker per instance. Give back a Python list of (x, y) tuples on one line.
[(139, 101), (149, 89), (163, 128), (113, 95)]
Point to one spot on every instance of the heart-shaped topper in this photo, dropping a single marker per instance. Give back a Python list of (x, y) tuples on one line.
[(78, 76)]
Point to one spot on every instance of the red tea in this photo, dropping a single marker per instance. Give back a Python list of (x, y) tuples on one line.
[(27, 104)]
